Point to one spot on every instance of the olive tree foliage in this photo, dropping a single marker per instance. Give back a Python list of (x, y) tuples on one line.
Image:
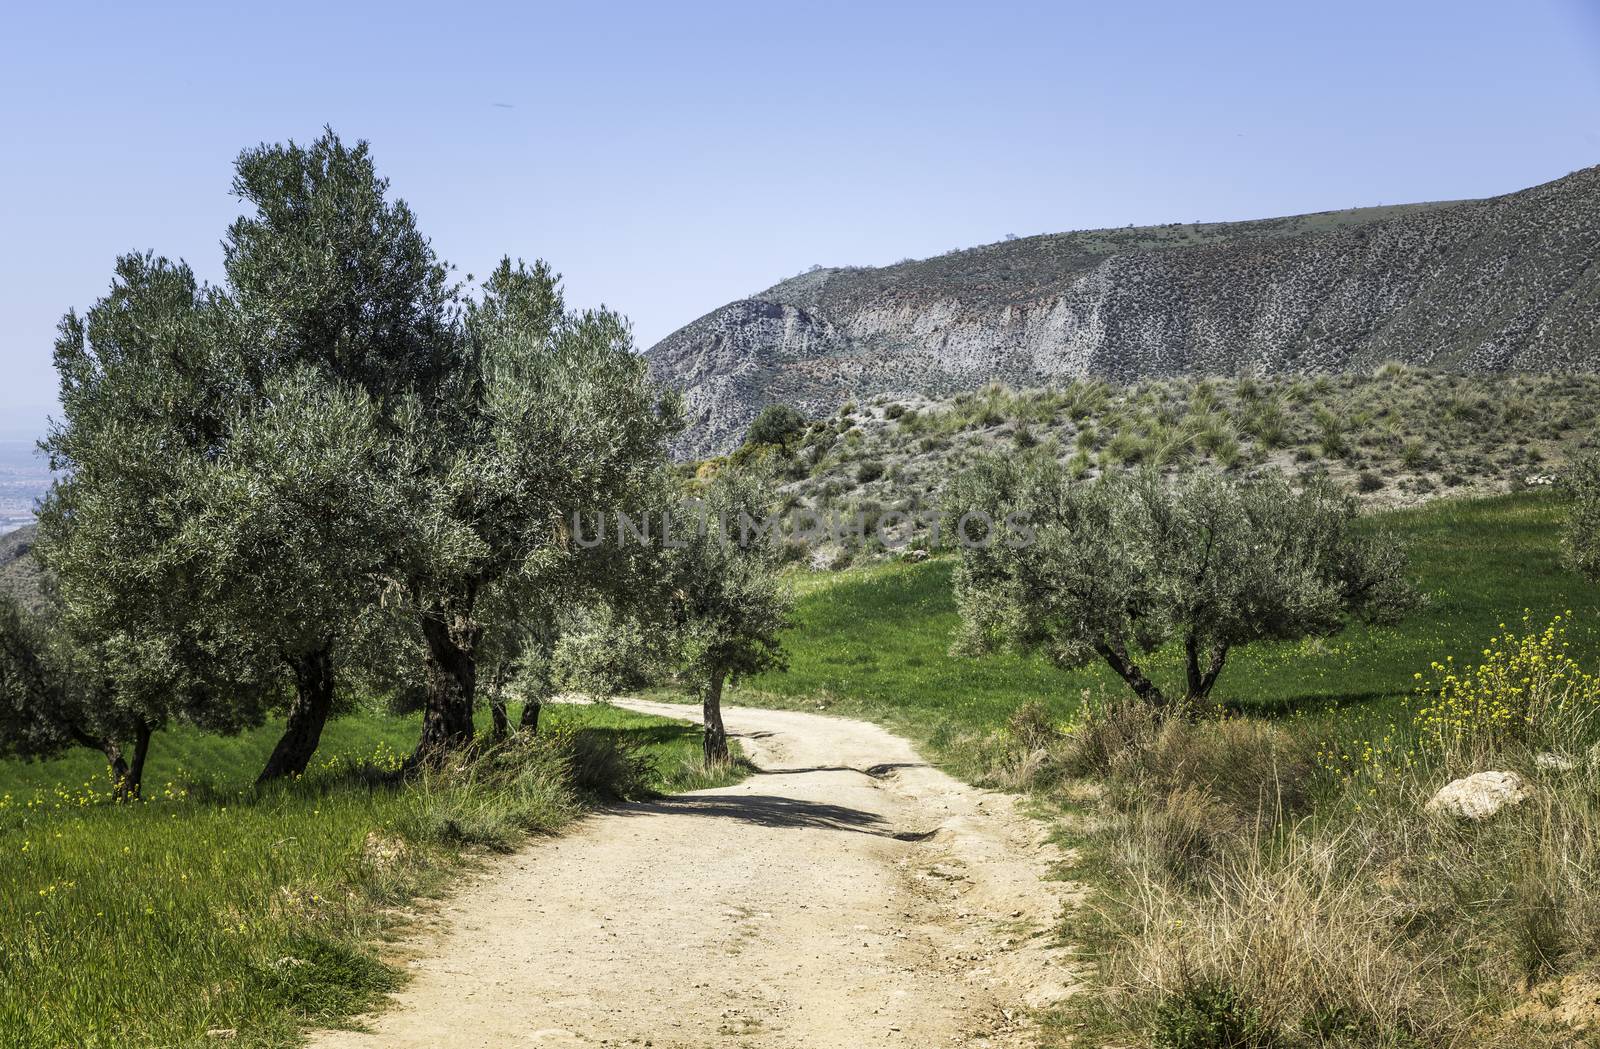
[(1583, 524), (727, 605), (345, 318), (326, 271), (1115, 569), (551, 413), (228, 522), (147, 385), (777, 424), (53, 696)]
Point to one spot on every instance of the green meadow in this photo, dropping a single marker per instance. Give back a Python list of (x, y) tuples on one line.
[(876, 640)]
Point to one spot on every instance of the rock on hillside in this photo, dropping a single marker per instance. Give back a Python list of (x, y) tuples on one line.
[(1503, 284)]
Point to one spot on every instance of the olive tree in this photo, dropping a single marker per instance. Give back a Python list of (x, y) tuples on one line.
[(550, 413), (344, 319), (295, 521), (147, 385), (727, 604), (1583, 524), (53, 697), (777, 424), (1117, 568)]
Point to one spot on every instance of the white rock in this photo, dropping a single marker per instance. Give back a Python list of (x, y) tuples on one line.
[(1550, 761), (1479, 796)]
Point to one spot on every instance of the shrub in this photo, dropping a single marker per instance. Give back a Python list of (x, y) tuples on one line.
[(1527, 691), (869, 470), (1583, 525), (777, 424), (1209, 1016)]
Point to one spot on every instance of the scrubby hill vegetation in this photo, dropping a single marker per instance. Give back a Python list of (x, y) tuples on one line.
[(1479, 287), (1397, 437)]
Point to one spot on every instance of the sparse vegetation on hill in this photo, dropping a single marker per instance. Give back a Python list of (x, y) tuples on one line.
[(1397, 437)]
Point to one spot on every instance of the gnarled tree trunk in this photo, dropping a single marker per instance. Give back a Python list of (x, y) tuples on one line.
[(1202, 678), (134, 781), (1129, 671), (453, 672), (127, 778), (308, 713), (716, 734)]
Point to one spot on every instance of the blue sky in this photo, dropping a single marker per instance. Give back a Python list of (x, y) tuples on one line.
[(668, 157)]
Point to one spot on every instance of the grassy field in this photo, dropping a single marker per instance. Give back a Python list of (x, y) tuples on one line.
[(875, 640), (213, 907)]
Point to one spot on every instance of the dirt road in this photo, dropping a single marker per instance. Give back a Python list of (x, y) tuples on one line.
[(848, 895)]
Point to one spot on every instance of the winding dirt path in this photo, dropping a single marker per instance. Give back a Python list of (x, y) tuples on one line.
[(847, 895)]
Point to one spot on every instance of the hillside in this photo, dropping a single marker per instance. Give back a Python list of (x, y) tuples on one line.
[(1509, 283), (20, 575), (1398, 437)]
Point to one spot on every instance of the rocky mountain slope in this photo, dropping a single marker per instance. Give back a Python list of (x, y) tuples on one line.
[(1509, 283), (21, 578)]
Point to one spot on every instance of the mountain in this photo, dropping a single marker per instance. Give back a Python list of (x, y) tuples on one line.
[(21, 578), (1509, 283)]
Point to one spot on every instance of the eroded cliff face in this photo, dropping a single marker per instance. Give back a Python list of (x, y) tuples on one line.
[(1508, 283)]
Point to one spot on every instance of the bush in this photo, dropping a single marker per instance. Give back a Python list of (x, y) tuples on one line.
[(869, 470), (1210, 1016), (777, 424), (1527, 691)]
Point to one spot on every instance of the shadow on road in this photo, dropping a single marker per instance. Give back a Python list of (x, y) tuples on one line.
[(766, 810)]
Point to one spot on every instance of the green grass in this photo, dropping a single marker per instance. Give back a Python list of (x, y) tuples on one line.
[(226, 908), (875, 641)]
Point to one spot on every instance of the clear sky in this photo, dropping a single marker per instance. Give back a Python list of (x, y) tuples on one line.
[(671, 156)]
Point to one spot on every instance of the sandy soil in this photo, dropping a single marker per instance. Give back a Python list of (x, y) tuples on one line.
[(846, 895)]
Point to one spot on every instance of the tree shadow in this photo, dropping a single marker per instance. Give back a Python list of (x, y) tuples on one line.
[(1308, 703), (765, 810), (882, 771)]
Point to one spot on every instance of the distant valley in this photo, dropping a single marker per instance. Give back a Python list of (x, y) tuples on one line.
[(24, 479), (1505, 284)]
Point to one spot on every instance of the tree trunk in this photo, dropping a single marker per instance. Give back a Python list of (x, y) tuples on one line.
[(539, 687), (497, 701), (1129, 671), (453, 673), (119, 769), (127, 777), (1201, 680), (308, 713), (141, 750), (716, 734)]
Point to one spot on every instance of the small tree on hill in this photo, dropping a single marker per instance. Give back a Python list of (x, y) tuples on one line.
[(777, 424), (728, 606), (1115, 569)]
